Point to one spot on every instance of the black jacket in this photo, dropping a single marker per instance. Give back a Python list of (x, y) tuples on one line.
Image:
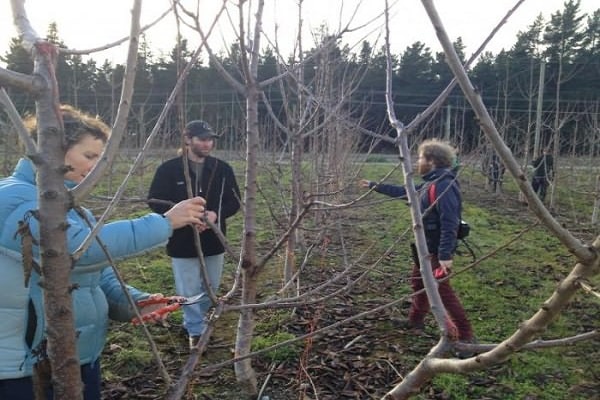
[(218, 186), (543, 167)]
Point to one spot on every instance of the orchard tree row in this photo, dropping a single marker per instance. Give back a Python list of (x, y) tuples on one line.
[(555, 63)]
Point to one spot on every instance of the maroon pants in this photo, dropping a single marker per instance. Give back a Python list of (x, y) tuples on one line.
[(420, 303)]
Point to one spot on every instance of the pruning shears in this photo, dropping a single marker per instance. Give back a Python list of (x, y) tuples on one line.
[(170, 304)]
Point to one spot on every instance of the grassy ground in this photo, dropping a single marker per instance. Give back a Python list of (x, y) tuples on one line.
[(498, 295)]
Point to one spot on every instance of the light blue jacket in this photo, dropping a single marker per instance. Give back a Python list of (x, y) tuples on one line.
[(98, 292)]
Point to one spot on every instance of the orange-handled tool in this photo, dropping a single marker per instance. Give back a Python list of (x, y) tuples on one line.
[(170, 304)]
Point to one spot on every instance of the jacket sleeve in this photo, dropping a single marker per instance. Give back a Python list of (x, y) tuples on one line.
[(162, 187), (230, 203), (119, 308), (448, 206), (389, 190), (127, 238), (123, 238)]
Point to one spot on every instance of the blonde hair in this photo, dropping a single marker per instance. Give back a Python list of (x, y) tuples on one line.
[(440, 152), (77, 125)]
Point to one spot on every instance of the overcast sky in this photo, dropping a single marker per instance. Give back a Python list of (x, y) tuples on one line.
[(85, 24)]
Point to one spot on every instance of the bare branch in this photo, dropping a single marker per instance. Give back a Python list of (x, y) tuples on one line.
[(163, 115), (17, 122), (25, 31), (573, 244), (116, 42), (435, 105), (30, 83), (224, 73), (83, 189)]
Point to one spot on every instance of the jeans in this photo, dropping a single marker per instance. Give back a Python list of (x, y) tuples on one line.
[(22, 388), (188, 282), (420, 304)]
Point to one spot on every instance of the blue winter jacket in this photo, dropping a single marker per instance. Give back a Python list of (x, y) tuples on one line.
[(442, 221), (98, 294)]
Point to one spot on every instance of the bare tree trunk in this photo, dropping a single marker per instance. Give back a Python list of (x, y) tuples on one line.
[(556, 137), (594, 138), (55, 259), (587, 266), (530, 96), (538, 117), (59, 361), (595, 210), (296, 186), (590, 140), (297, 151), (244, 372)]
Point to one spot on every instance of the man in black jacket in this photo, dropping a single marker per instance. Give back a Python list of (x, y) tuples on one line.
[(214, 180)]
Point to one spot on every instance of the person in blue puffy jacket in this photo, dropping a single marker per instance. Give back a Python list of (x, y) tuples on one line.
[(99, 294)]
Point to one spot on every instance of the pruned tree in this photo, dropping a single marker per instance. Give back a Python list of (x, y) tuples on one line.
[(588, 262), (304, 122), (563, 37), (48, 155), (315, 110)]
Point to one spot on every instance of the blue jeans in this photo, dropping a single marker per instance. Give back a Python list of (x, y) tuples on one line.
[(188, 282), (22, 388)]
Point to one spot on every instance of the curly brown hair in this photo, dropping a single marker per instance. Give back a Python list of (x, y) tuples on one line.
[(77, 124), (440, 152)]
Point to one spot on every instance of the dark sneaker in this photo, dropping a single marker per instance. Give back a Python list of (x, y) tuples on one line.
[(193, 341), (462, 354), (416, 328)]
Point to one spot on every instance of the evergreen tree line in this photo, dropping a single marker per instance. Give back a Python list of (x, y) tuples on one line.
[(565, 50)]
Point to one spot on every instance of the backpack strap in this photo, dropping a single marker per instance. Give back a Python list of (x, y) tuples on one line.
[(431, 193)]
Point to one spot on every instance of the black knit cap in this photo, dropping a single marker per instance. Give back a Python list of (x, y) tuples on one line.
[(200, 129)]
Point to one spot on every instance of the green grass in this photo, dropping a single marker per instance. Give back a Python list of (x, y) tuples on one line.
[(498, 294), (508, 288), (279, 354)]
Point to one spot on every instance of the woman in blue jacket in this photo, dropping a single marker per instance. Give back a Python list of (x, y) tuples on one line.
[(98, 295)]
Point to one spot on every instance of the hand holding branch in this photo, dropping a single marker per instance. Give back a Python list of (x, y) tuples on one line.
[(187, 212)]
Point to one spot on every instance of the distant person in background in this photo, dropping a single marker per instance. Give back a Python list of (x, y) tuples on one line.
[(543, 173), (214, 180), (456, 165), (494, 170), (97, 293)]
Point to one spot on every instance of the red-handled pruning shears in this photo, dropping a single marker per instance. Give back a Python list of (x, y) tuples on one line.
[(170, 304)]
